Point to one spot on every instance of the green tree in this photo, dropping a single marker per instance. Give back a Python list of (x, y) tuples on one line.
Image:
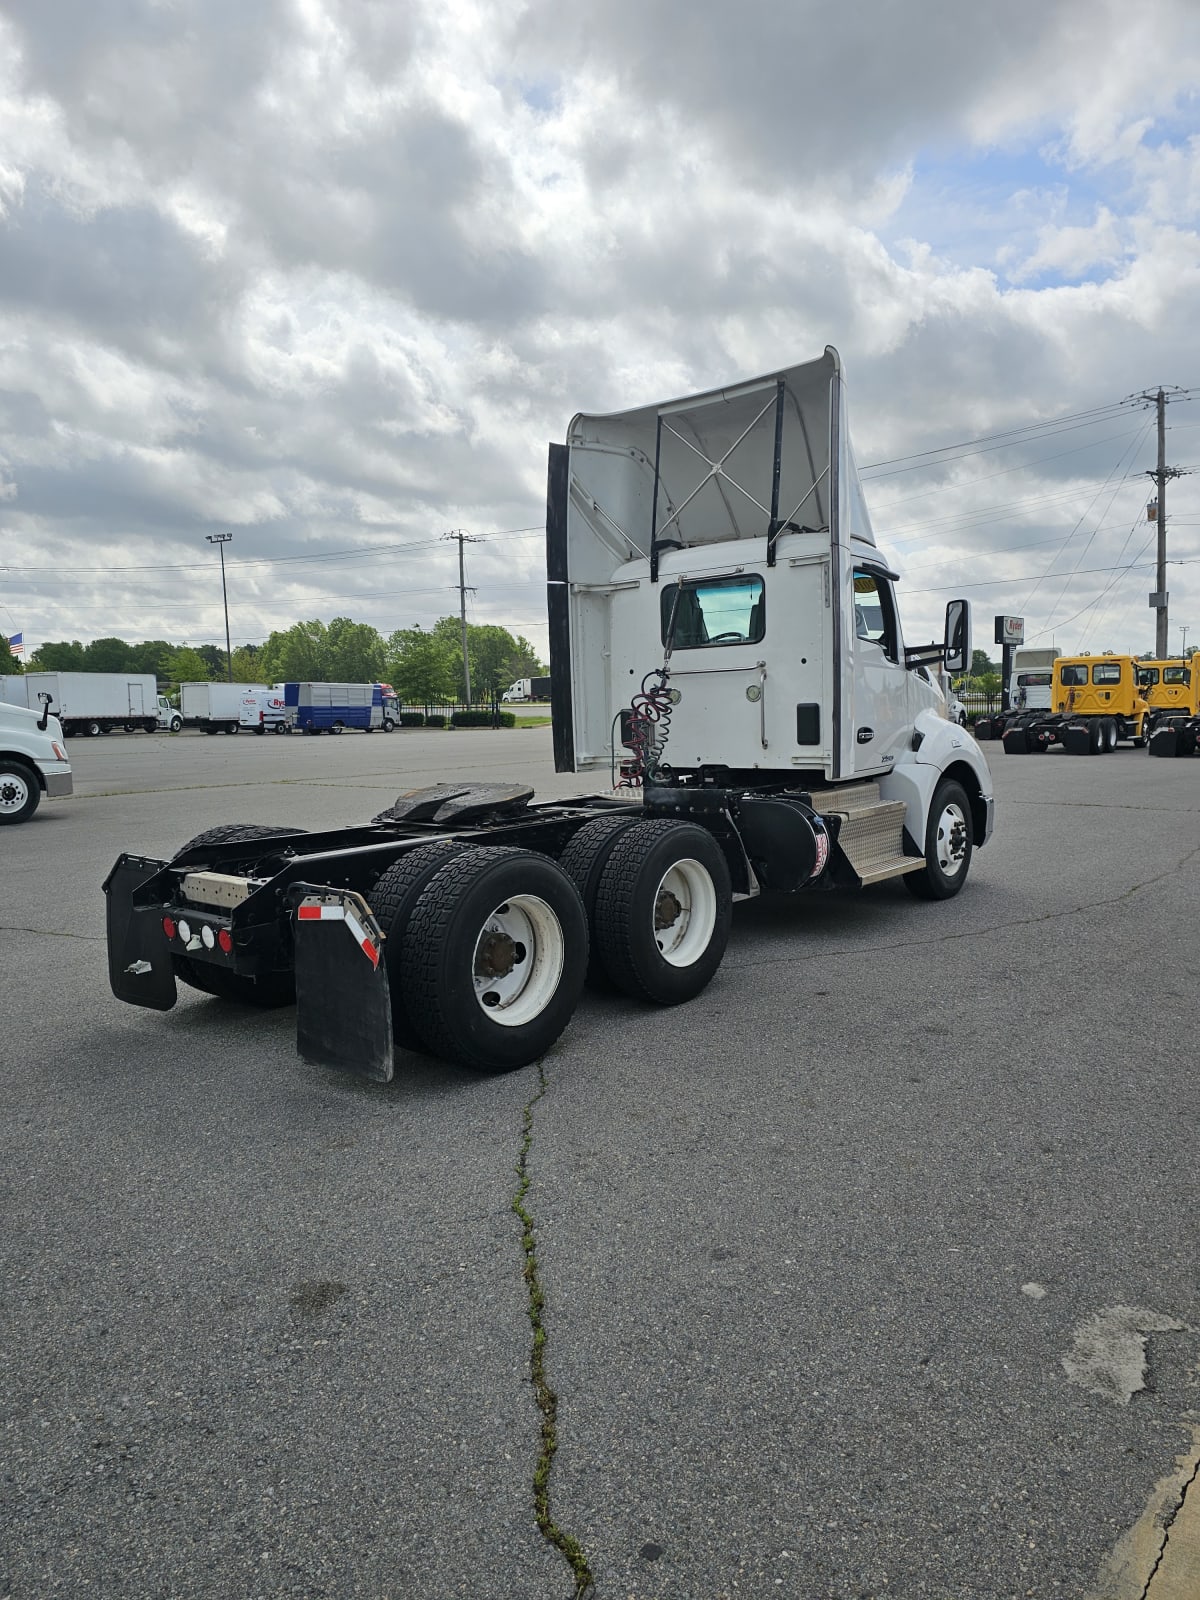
[(9, 663), (108, 655), (354, 652), (522, 663), (153, 655), (295, 655), (59, 656), (188, 666), (980, 663), (247, 664), (214, 658), (421, 666)]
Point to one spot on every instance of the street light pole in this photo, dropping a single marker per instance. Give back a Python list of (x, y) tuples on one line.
[(221, 540)]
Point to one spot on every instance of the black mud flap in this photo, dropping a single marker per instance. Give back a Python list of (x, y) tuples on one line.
[(139, 958), (1164, 742), (343, 1002)]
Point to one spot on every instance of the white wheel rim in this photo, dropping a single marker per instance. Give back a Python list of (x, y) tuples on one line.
[(518, 960), (14, 793), (684, 912), (951, 840)]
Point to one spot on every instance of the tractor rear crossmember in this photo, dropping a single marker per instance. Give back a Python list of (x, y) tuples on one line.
[(463, 921)]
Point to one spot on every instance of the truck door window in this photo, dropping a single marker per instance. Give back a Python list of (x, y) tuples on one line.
[(714, 611), (1106, 672), (1175, 675), (1073, 677), (875, 611), (1148, 676)]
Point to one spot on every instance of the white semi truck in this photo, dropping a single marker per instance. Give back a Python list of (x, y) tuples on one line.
[(33, 761), (725, 635), (219, 707)]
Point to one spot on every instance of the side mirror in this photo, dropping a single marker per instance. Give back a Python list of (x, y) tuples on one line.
[(47, 701), (958, 636)]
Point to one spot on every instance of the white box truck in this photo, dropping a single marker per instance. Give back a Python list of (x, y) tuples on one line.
[(97, 702), (740, 655), (218, 707)]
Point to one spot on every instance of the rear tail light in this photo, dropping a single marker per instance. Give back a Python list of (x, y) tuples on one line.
[(185, 931), (225, 940), (169, 927)]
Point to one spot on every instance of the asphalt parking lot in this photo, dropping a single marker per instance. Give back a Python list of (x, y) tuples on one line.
[(813, 1247)]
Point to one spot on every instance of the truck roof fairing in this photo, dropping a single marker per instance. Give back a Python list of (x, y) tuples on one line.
[(739, 462)]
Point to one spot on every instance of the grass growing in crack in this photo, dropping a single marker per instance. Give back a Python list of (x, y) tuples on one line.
[(546, 1399)]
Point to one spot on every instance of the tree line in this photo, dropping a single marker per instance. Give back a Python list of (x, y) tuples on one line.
[(423, 665)]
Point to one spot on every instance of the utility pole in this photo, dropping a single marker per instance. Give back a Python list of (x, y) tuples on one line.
[(464, 538), (1158, 513), (221, 540)]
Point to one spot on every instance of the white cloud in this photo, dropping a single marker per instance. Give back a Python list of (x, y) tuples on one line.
[(331, 272)]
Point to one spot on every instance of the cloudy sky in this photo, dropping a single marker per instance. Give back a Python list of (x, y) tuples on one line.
[(329, 275)]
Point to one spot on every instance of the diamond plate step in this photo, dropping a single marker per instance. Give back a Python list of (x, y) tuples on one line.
[(872, 833)]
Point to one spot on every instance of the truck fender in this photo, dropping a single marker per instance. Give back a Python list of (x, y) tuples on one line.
[(939, 749)]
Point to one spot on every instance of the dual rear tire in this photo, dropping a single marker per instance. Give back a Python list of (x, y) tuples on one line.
[(489, 947)]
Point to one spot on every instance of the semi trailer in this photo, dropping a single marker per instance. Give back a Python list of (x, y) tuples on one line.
[(726, 652)]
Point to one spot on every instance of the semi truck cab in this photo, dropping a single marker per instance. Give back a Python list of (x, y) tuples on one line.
[(33, 760)]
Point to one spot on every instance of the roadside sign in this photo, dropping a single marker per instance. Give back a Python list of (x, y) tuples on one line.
[(1010, 630)]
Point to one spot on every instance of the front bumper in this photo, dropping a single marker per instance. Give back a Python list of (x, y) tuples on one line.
[(58, 783)]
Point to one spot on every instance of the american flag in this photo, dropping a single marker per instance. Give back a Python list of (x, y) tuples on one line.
[(17, 644)]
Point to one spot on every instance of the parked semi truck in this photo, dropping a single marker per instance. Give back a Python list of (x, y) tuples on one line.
[(1096, 704), (527, 689), (219, 707), (33, 761), (1172, 689), (725, 633)]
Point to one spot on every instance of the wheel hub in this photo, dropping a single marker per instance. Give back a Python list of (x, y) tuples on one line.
[(496, 955), (667, 910)]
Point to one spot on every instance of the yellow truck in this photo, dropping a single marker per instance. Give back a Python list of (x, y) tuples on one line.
[(1096, 703), (1172, 689)]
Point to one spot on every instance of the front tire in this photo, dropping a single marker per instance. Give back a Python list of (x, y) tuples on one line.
[(20, 792), (663, 910), (493, 961), (948, 845)]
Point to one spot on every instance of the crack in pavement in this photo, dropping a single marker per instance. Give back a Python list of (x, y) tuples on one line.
[(825, 953), (1167, 1524), (568, 1546), (53, 933)]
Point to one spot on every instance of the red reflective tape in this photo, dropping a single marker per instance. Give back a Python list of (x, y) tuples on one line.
[(371, 951), (309, 913)]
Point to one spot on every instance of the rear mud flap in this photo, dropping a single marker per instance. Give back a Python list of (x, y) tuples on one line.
[(343, 1001), (139, 958)]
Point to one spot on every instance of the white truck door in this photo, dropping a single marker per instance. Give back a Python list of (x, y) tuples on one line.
[(882, 719), (136, 708)]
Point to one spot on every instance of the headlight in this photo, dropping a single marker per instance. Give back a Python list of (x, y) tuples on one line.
[(59, 752)]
